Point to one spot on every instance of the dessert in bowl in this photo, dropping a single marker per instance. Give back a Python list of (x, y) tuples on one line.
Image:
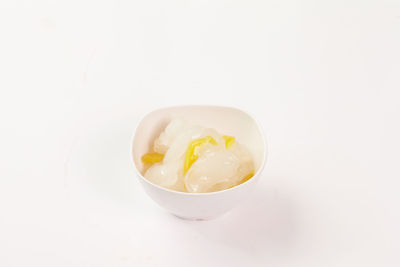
[(198, 162)]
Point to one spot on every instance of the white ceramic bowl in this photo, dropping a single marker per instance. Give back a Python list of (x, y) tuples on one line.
[(225, 120)]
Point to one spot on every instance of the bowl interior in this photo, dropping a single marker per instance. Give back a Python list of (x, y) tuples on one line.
[(226, 120)]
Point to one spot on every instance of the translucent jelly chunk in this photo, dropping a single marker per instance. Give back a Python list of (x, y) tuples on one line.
[(211, 171), (166, 175)]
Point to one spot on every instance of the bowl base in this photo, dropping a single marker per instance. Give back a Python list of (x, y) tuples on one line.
[(194, 218)]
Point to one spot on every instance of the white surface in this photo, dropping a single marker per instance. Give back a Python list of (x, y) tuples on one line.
[(323, 77)]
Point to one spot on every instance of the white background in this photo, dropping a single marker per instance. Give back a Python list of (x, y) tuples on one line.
[(322, 77)]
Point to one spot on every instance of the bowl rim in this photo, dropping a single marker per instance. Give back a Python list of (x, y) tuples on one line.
[(259, 171)]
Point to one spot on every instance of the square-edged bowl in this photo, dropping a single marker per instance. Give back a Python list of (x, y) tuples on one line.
[(226, 120)]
